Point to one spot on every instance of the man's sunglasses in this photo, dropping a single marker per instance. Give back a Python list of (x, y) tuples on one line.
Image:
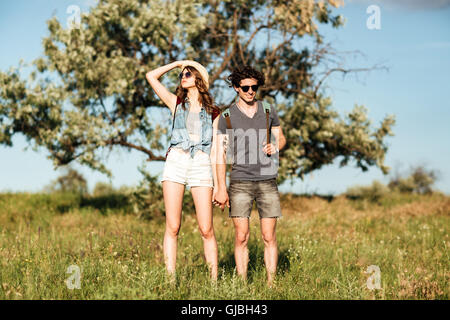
[(254, 88), (186, 75)]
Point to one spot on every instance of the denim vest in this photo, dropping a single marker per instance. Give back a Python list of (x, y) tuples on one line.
[(180, 135)]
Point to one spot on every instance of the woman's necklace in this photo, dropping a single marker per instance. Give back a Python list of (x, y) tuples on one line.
[(194, 108)]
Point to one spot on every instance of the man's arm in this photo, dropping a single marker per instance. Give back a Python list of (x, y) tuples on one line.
[(280, 141), (279, 137)]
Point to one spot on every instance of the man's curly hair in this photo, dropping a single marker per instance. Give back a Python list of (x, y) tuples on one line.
[(245, 72)]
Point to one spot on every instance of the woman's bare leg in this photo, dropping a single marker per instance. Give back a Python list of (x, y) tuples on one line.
[(203, 206), (173, 200)]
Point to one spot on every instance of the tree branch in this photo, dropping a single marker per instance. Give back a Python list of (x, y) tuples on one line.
[(227, 58), (151, 155)]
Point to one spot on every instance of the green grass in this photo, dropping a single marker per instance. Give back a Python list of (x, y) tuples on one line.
[(325, 248)]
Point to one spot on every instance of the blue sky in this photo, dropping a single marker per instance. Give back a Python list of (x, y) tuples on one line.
[(413, 42)]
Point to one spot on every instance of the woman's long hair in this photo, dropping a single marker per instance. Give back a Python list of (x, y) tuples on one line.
[(205, 97)]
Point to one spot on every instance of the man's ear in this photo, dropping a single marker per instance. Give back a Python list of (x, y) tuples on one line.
[(235, 89)]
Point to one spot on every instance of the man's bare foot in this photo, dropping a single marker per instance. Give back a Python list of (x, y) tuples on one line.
[(171, 277), (270, 281)]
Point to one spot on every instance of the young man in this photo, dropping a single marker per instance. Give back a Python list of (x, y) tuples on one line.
[(243, 132)]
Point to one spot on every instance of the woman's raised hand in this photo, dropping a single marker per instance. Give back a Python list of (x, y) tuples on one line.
[(165, 95)]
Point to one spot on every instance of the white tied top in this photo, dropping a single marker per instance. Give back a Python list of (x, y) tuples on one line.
[(194, 126)]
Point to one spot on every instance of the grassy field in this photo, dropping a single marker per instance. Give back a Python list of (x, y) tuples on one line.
[(325, 248)]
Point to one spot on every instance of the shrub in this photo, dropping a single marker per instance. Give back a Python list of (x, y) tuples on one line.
[(373, 193), (103, 189), (420, 180), (71, 181), (147, 198)]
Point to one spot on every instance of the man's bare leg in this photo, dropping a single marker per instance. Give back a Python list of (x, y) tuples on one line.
[(268, 231), (242, 233)]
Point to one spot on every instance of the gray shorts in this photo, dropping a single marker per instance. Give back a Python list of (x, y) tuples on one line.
[(264, 192)]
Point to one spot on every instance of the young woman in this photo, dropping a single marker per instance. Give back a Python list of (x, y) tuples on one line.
[(188, 160)]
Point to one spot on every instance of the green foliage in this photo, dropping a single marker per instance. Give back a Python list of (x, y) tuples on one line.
[(318, 136), (99, 98)]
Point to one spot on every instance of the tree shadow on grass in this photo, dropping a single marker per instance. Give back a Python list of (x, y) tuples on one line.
[(289, 196), (105, 203), (110, 202)]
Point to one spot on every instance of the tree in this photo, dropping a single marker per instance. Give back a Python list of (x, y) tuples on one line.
[(70, 181), (100, 98), (102, 189), (420, 180)]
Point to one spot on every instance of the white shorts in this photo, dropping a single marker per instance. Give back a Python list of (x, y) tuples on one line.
[(195, 172)]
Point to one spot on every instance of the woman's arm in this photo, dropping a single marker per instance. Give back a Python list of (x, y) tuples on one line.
[(221, 194), (165, 95), (220, 168)]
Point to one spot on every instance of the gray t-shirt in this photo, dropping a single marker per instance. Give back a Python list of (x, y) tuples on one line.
[(246, 142)]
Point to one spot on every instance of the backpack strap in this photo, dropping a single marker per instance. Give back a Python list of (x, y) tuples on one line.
[(267, 112), (266, 106), (226, 115)]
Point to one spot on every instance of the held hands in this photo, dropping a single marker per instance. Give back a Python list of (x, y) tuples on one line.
[(220, 198)]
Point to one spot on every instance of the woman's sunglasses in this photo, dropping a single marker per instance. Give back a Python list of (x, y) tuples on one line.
[(186, 75), (254, 88)]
